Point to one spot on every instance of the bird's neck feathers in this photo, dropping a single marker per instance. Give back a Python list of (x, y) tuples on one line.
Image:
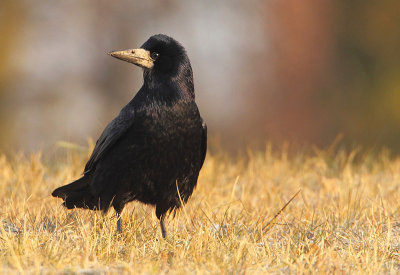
[(168, 88)]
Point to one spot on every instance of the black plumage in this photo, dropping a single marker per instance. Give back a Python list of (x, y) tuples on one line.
[(154, 149)]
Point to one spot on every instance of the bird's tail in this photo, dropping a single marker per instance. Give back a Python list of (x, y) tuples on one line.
[(77, 194)]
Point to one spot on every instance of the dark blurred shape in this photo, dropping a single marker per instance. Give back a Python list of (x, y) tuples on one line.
[(284, 104), (367, 77)]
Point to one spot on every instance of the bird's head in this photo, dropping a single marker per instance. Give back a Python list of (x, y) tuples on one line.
[(159, 55)]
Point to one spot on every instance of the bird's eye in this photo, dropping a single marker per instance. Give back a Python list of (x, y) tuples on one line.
[(154, 55)]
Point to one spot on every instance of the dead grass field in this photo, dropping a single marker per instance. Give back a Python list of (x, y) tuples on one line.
[(344, 220)]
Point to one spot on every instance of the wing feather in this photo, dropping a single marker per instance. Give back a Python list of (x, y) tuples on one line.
[(113, 131)]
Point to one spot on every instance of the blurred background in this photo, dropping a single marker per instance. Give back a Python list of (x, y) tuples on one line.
[(297, 71)]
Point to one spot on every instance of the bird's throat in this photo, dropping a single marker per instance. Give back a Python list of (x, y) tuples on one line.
[(168, 89)]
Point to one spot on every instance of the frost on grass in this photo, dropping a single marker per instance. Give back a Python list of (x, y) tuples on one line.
[(345, 219)]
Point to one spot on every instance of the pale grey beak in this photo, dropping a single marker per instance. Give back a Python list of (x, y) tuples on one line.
[(139, 57)]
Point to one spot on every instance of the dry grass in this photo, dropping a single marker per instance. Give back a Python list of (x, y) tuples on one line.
[(344, 220)]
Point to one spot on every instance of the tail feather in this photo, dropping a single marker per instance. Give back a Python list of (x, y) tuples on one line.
[(77, 185), (77, 194)]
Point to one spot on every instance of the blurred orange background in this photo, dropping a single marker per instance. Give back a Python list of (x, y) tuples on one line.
[(298, 71)]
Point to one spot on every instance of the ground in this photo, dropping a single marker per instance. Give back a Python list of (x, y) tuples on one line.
[(345, 219)]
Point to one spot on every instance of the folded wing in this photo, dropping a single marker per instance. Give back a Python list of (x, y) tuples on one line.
[(113, 131)]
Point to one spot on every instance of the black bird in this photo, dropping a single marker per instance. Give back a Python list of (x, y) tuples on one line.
[(153, 150)]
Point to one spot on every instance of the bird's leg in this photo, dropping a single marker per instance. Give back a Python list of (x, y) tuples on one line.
[(119, 229), (163, 230), (118, 213)]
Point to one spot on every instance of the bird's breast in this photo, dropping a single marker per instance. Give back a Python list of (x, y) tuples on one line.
[(170, 133)]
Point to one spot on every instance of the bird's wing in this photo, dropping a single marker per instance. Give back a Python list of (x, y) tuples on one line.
[(203, 142), (113, 131)]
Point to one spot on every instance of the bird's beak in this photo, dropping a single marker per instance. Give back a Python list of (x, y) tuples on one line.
[(140, 57)]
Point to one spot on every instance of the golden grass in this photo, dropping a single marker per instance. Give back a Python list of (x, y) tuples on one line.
[(344, 220)]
